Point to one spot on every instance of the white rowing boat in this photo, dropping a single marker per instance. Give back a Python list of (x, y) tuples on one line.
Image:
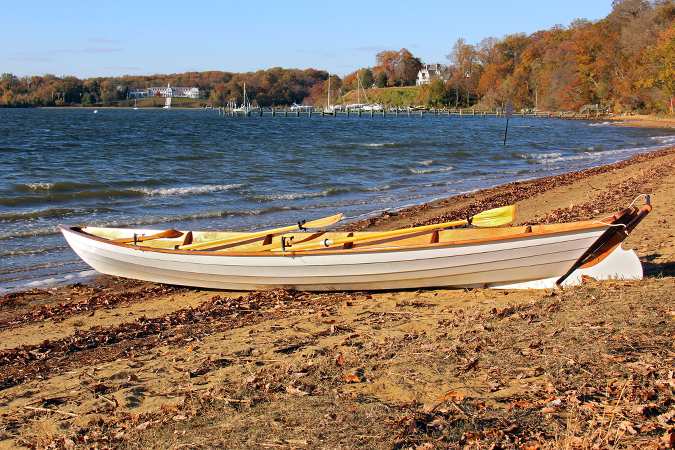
[(536, 256)]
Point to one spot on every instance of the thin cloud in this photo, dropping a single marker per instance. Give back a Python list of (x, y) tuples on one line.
[(29, 58), (86, 50), (99, 40), (102, 50)]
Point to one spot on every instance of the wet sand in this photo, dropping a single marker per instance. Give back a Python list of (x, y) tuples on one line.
[(139, 365)]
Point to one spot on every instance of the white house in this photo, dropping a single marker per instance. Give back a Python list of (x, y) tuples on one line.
[(168, 91), (430, 72)]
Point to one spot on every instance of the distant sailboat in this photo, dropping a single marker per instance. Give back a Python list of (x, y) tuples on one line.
[(329, 109), (245, 106), (358, 106), (169, 96), (135, 104)]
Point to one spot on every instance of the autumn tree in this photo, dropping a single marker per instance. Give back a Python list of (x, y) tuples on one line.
[(400, 67)]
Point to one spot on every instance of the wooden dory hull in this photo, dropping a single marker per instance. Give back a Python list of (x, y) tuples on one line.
[(510, 262)]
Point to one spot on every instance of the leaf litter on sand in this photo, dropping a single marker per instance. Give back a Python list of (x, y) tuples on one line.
[(104, 343), (590, 366)]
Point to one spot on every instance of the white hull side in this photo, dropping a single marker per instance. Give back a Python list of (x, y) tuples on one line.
[(619, 265), (501, 263)]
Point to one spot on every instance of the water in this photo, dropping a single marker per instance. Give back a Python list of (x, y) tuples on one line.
[(192, 169)]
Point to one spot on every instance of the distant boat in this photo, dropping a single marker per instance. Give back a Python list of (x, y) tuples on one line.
[(358, 106), (96, 111), (328, 109), (301, 108), (135, 104), (167, 103), (245, 106)]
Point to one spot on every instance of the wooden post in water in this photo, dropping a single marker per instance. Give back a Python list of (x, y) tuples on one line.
[(508, 112)]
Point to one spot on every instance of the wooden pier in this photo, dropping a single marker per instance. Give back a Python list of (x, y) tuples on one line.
[(452, 112)]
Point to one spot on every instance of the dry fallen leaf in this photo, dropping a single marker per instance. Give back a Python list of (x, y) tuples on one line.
[(351, 378), (454, 396)]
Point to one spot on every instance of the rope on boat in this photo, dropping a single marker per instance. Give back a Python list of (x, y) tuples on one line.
[(623, 225), (646, 196)]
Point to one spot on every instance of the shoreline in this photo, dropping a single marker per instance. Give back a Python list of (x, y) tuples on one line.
[(469, 203), (442, 209), (136, 364)]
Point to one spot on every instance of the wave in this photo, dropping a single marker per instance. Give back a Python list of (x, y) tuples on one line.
[(418, 171), (380, 144), (600, 124), (68, 186), (301, 195), (52, 281), (427, 162), (356, 145), (49, 213), (664, 140), (187, 190), (31, 251), (115, 193), (539, 156), (150, 220)]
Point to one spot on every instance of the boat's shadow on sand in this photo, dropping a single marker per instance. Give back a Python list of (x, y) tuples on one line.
[(657, 269)]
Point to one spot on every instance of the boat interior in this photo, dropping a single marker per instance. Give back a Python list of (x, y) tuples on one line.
[(273, 243)]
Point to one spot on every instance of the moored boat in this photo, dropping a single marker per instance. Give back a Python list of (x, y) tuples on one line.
[(529, 256)]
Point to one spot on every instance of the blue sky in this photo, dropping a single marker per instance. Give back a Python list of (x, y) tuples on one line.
[(85, 38)]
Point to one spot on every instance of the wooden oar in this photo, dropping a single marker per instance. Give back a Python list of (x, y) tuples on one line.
[(166, 234), (318, 223), (490, 218)]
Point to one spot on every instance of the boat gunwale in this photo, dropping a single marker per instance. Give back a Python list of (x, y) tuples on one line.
[(579, 226)]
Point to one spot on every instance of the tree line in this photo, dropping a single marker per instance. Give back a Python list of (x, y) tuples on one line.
[(275, 86), (623, 62)]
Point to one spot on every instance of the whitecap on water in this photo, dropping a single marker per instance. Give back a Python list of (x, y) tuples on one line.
[(187, 190), (419, 171)]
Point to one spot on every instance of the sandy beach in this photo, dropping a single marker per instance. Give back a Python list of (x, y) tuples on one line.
[(129, 364)]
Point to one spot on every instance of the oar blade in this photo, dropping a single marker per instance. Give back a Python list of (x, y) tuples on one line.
[(170, 234), (495, 217), (324, 222)]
